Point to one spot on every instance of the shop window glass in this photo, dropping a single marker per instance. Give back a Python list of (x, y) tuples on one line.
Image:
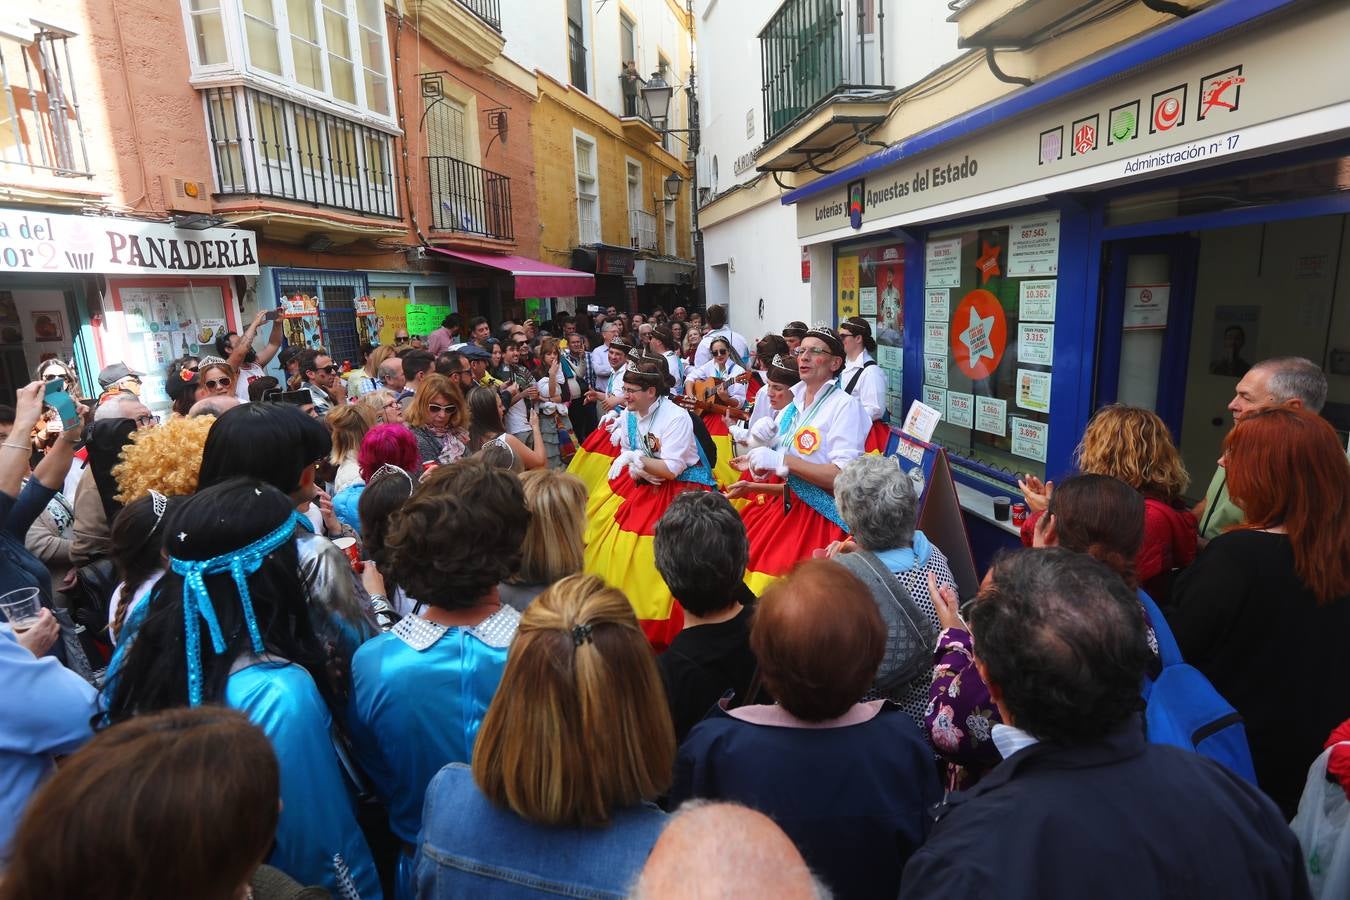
[(870, 280), (987, 342)]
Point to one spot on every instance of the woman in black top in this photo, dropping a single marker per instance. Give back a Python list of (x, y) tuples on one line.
[(1264, 611)]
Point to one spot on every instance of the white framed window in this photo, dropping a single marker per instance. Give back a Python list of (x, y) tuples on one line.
[(588, 189), (335, 51), (671, 247)]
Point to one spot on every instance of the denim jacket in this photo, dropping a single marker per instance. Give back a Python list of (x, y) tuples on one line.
[(470, 848)]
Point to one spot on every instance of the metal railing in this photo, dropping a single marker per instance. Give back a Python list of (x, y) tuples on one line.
[(487, 10), (468, 199), (39, 125), (813, 49), (576, 57), (642, 229), (269, 146)]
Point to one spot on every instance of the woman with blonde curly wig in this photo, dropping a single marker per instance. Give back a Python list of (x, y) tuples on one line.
[(165, 459), (1133, 445)]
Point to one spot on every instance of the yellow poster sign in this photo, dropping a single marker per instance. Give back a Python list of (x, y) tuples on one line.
[(392, 315), (846, 278)]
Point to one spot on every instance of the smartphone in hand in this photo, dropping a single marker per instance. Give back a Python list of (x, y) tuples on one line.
[(57, 398)]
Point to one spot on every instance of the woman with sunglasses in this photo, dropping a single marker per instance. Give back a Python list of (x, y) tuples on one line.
[(216, 377), (439, 420), (52, 369), (820, 432), (486, 431), (725, 372)]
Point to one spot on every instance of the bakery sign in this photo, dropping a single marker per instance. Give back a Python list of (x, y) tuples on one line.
[(1240, 94), (35, 243)]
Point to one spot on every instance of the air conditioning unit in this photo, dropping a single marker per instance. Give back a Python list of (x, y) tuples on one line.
[(185, 194)]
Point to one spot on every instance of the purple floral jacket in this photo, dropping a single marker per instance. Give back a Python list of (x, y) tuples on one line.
[(960, 715)]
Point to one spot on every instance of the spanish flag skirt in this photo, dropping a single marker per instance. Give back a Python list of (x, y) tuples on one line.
[(782, 535), (880, 439), (619, 548), (721, 436)]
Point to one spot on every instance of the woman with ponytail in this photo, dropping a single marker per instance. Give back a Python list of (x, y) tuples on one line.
[(576, 746)]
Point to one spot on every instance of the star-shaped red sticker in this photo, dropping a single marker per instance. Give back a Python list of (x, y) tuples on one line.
[(988, 262)]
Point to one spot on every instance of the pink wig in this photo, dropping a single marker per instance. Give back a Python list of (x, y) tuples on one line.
[(393, 444)]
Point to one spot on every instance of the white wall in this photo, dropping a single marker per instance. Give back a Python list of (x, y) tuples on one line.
[(536, 37), (761, 244)]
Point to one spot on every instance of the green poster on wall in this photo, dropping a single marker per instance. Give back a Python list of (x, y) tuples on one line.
[(423, 319)]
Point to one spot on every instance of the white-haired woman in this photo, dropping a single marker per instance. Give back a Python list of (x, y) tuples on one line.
[(879, 504)]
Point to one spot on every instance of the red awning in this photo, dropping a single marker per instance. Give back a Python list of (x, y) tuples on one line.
[(533, 278)]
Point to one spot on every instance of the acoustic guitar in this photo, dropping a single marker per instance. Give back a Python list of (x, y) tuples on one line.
[(701, 397)]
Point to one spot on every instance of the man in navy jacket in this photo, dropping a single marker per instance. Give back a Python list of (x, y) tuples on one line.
[(1082, 805)]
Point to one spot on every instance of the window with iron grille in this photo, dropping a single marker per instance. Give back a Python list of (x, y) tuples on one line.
[(576, 43), (40, 127), (588, 191), (335, 293)]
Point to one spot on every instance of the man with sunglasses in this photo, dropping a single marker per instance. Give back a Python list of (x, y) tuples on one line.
[(117, 377), (320, 379)]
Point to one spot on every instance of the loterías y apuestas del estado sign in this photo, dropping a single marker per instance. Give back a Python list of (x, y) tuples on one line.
[(35, 243)]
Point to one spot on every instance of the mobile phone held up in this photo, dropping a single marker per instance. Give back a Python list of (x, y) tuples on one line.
[(272, 315), (59, 400)]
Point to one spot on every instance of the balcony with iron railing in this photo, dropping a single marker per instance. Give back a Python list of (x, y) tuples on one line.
[(468, 199), (487, 10), (814, 50), (40, 129), (267, 146), (642, 229)]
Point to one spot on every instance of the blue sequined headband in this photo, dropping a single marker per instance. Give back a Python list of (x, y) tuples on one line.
[(197, 602)]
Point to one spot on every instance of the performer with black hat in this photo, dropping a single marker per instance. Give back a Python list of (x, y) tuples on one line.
[(793, 332), (818, 433), (659, 457), (864, 379)]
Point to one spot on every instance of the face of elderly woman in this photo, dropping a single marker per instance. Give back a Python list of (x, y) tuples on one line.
[(877, 501)]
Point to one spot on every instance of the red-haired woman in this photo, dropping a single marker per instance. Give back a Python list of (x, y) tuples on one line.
[(392, 445), (1265, 609)]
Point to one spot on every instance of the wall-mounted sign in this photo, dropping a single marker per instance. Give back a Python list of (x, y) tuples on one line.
[(39, 243), (1240, 93), (1146, 306)]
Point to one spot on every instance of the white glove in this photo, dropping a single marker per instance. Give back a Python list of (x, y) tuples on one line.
[(548, 408), (764, 433), (609, 418), (618, 436), (767, 459), (739, 433), (628, 459)]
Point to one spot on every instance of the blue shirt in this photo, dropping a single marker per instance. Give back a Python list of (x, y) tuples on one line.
[(318, 840), (471, 848), (414, 710), (45, 711)]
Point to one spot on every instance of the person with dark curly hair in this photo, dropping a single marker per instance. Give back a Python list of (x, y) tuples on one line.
[(420, 691), (1081, 803)]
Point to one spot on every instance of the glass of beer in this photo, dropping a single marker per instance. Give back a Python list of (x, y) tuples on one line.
[(21, 608)]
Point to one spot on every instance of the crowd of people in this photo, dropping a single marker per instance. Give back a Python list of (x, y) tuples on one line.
[(618, 605)]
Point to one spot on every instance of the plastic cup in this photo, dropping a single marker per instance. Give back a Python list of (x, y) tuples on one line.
[(21, 608), (1002, 508)]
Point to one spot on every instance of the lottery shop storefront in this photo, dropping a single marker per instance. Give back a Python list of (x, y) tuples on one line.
[(1139, 229)]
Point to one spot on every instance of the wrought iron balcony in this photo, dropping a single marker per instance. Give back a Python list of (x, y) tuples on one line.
[(812, 50), (266, 146), (642, 229), (40, 114), (487, 10), (468, 199)]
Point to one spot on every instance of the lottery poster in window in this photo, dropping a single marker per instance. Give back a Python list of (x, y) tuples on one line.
[(890, 277), (847, 277)]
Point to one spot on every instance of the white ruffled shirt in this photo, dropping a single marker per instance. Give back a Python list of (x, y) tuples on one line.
[(871, 387), (840, 420), (674, 431)]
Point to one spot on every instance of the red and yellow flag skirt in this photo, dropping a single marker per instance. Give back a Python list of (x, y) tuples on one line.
[(780, 538), (880, 439)]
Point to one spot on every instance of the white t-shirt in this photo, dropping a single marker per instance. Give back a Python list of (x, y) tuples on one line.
[(838, 421), (674, 431), (704, 351), (710, 370), (517, 419), (248, 373), (871, 387)]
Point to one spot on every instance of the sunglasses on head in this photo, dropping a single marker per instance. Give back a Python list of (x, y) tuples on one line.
[(436, 409), (214, 383)]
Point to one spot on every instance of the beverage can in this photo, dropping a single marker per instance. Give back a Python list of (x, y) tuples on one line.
[(1019, 514)]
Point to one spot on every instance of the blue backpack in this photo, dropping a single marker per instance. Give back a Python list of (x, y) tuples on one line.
[(1184, 710)]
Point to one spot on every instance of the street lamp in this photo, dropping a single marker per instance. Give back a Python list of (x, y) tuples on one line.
[(672, 185), (656, 94)]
